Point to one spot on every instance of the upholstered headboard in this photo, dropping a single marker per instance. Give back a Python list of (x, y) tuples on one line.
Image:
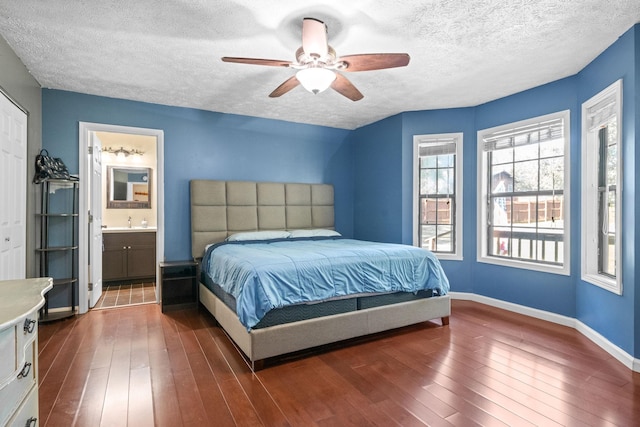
[(221, 208)]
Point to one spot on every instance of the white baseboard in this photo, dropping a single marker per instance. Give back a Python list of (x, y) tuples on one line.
[(615, 351)]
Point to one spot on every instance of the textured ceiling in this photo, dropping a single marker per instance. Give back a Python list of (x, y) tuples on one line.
[(463, 53)]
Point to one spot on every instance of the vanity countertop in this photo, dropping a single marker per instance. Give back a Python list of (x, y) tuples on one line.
[(136, 229)]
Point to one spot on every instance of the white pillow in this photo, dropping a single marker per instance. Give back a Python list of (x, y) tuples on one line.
[(317, 232), (258, 235)]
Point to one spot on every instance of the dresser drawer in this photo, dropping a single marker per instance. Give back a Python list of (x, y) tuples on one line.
[(26, 331), (27, 414), (8, 350), (13, 342), (12, 394)]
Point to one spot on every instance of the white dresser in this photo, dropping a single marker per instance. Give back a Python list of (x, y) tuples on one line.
[(19, 304)]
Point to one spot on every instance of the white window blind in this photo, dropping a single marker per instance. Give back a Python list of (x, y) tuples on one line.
[(534, 133), (602, 112), (437, 147)]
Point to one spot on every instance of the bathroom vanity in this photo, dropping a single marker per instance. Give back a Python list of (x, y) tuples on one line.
[(128, 254)]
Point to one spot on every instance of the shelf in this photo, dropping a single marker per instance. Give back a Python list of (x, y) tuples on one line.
[(166, 264), (60, 181), (56, 315), (58, 282), (170, 279), (60, 215), (56, 248), (178, 272)]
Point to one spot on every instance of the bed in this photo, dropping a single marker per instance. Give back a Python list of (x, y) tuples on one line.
[(284, 324)]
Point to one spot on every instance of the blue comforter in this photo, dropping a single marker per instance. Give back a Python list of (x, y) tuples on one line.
[(263, 275)]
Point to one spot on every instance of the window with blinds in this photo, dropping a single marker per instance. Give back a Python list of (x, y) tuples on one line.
[(437, 194), (523, 177), (602, 189)]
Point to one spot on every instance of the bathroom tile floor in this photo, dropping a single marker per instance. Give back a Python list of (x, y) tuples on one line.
[(118, 295)]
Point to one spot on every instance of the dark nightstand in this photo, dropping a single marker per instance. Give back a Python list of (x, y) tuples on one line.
[(179, 284)]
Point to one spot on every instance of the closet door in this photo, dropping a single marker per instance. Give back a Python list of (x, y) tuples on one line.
[(13, 190)]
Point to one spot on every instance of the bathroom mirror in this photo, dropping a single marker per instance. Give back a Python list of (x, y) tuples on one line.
[(128, 187)]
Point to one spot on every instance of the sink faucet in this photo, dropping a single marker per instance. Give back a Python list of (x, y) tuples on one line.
[(129, 220)]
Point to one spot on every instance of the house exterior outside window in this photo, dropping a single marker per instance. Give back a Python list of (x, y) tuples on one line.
[(438, 194), (523, 187)]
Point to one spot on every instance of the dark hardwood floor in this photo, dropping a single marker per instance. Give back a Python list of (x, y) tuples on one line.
[(135, 366)]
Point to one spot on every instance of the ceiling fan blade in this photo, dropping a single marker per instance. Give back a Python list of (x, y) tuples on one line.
[(374, 61), (257, 61), (344, 87), (314, 37), (285, 87)]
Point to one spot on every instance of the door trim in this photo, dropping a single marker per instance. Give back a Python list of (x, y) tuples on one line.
[(83, 250)]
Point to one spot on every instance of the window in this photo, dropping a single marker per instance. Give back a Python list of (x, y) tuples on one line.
[(602, 189), (438, 194), (523, 210)]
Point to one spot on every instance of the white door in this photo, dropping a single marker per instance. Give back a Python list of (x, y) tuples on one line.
[(95, 219), (13, 190)]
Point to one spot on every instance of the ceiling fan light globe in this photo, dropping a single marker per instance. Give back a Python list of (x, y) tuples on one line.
[(315, 80)]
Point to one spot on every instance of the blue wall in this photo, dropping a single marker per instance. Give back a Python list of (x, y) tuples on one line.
[(383, 178), (378, 181), (435, 122), (534, 289), (372, 171), (383, 193), (206, 145), (609, 314)]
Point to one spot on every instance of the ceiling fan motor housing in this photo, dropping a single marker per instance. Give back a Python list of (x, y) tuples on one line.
[(305, 60)]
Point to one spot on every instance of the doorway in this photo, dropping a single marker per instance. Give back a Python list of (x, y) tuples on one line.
[(107, 152)]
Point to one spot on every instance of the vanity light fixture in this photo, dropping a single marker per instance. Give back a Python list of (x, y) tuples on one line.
[(123, 152)]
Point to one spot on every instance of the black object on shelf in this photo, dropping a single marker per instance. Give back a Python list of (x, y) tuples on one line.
[(57, 228), (179, 284)]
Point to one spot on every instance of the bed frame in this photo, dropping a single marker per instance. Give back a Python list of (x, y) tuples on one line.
[(221, 208)]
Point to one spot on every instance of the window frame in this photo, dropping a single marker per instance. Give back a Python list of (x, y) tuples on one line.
[(457, 139), (483, 199), (590, 211)]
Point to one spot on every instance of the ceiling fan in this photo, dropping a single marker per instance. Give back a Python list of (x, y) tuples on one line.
[(318, 64)]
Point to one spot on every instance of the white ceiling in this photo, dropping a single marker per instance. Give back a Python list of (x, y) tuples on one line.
[(463, 53)]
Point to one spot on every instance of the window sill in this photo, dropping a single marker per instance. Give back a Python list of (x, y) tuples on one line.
[(543, 268), (603, 282), (448, 257)]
